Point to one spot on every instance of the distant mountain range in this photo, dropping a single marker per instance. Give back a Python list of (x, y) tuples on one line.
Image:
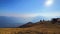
[(9, 22), (6, 21)]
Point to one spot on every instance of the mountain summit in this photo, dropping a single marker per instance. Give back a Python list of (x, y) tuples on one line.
[(29, 24)]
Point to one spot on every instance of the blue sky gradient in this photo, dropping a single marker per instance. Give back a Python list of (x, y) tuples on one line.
[(30, 8)]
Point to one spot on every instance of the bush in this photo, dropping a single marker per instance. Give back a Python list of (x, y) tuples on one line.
[(54, 20)]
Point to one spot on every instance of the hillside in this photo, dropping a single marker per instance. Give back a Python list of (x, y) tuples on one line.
[(42, 27)]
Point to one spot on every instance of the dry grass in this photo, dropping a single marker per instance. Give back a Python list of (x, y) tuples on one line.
[(29, 30)]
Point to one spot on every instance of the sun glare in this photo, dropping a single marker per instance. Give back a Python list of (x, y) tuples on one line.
[(48, 3)]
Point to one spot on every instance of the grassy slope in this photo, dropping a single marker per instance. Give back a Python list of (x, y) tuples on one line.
[(46, 28)]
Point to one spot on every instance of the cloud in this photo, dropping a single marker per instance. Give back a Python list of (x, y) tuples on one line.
[(48, 3), (20, 15), (49, 14)]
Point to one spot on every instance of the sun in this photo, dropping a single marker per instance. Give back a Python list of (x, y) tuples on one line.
[(48, 2)]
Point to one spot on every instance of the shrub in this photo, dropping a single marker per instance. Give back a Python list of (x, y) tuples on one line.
[(54, 20)]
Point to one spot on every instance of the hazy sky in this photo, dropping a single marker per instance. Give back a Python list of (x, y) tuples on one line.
[(30, 8)]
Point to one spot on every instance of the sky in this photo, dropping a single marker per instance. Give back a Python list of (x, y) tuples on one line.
[(30, 8)]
